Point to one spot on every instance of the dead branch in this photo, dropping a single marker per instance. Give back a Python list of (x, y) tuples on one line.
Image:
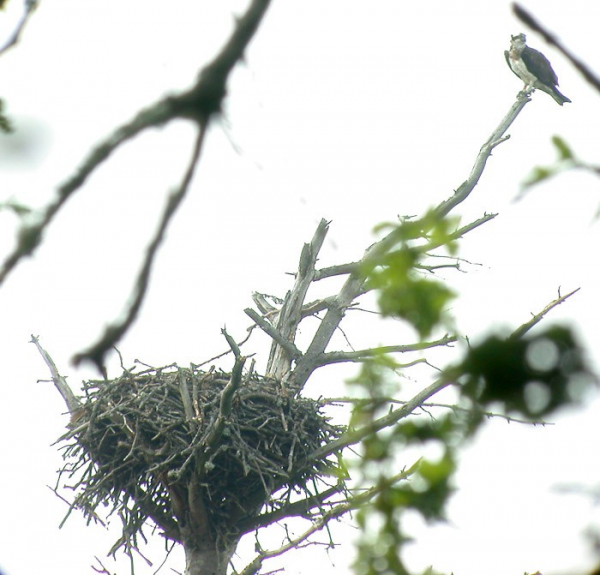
[(313, 357), (366, 354), (522, 330), (354, 436), (292, 351), (290, 314), (73, 404)]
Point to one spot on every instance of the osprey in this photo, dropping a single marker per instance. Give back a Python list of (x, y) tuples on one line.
[(533, 68)]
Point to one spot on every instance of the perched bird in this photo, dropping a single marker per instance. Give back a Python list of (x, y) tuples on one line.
[(533, 68)]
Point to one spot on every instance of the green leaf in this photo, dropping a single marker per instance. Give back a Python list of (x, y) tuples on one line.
[(18, 209), (419, 301), (5, 123), (564, 151), (538, 174)]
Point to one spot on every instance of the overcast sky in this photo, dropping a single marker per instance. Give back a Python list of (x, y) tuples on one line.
[(353, 111)]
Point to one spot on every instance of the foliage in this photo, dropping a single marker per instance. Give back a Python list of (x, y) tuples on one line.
[(530, 376), (5, 123), (403, 291), (566, 160)]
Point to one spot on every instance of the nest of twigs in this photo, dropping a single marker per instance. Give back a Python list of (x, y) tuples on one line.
[(141, 440)]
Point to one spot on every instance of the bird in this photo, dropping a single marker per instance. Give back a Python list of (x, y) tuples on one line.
[(533, 68)]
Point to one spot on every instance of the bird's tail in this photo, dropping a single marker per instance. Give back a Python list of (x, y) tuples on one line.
[(558, 97)]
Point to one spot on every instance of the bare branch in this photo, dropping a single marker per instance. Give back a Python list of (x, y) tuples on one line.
[(73, 404), (300, 508), (366, 354), (223, 354), (232, 344), (315, 307), (290, 315), (354, 284), (522, 330), (342, 269), (354, 436), (465, 189), (291, 349)]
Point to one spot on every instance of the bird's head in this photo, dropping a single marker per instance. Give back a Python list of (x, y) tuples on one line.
[(518, 41)]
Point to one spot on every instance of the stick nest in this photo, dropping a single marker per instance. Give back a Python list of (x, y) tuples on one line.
[(142, 441)]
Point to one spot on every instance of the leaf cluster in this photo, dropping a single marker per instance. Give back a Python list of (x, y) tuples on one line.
[(532, 376)]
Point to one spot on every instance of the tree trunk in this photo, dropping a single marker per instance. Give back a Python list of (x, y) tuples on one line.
[(208, 561)]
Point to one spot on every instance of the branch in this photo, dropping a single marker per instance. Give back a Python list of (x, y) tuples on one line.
[(225, 404), (30, 5), (530, 21), (341, 509), (365, 354), (73, 404), (239, 344), (354, 284), (115, 332), (261, 322), (188, 408), (198, 103), (297, 509), (342, 269), (521, 331), (450, 406), (356, 435), (290, 315), (465, 189)]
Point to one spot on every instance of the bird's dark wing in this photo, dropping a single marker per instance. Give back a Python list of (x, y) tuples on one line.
[(539, 66)]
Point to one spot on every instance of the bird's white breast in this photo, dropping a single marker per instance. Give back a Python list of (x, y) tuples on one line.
[(521, 70)]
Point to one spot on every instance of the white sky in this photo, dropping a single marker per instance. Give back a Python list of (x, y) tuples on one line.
[(352, 111)]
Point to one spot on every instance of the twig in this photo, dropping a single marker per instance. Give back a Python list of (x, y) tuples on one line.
[(522, 330), (332, 271), (234, 346), (223, 354)]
